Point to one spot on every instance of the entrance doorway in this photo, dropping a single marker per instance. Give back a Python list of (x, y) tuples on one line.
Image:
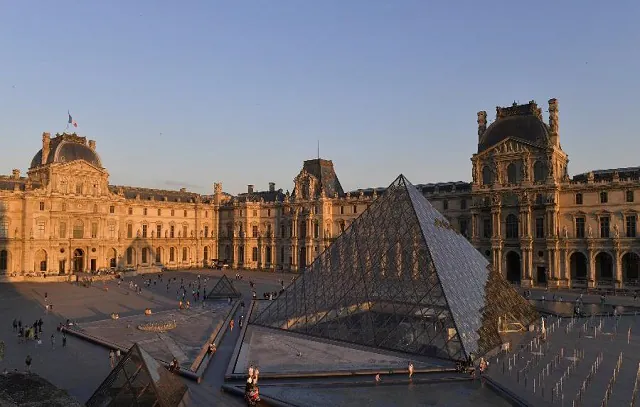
[(303, 258), (542, 275), (513, 267), (93, 265), (78, 261), (62, 264)]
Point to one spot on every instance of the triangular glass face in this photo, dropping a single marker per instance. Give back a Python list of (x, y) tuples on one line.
[(399, 278), (139, 380), (223, 289)]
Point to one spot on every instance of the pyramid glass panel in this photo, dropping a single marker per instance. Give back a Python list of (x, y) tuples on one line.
[(400, 278), (223, 289), (139, 380)]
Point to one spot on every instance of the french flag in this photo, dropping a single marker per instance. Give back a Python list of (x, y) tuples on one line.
[(71, 121)]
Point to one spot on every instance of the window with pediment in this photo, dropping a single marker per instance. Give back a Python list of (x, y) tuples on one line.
[(4, 228), (579, 198), (604, 197), (605, 228), (78, 229), (631, 222)]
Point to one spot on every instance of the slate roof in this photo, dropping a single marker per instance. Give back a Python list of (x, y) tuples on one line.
[(67, 147), (521, 122), (324, 171), (607, 175)]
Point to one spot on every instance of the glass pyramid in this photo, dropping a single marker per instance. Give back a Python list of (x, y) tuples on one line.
[(223, 289), (139, 380), (401, 278)]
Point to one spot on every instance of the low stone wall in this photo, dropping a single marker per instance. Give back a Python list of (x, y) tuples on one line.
[(48, 279)]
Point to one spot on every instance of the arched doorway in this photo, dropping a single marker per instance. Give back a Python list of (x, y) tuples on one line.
[(630, 268), (604, 267), (303, 258), (514, 272), (40, 261), (158, 255), (112, 256), (578, 266), (78, 261), (4, 260)]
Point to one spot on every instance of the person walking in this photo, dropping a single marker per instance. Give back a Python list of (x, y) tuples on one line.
[(112, 359), (53, 341), (64, 340), (410, 370), (231, 323), (27, 362), (15, 325)]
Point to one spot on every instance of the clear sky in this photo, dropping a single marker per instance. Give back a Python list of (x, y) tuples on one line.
[(193, 92)]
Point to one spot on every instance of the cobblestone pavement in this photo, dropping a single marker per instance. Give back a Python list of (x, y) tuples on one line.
[(86, 365)]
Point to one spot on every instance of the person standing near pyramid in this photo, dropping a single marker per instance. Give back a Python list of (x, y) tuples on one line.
[(410, 370)]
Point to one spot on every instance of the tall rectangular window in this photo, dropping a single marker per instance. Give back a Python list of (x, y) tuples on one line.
[(129, 231), (578, 198), (185, 231), (316, 230), (94, 230), (158, 231), (144, 230), (580, 227), (604, 197), (629, 196), (42, 206), (144, 211), (144, 255), (112, 209), (604, 227), (62, 232), (463, 204), (487, 231), (41, 226), (172, 231), (631, 226), (112, 230), (254, 231), (355, 209), (184, 254), (254, 254), (539, 228), (206, 231)]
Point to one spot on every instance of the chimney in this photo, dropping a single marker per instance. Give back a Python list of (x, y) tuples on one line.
[(46, 140), (482, 123), (272, 187), (554, 122), (250, 188), (15, 173), (92, 144)]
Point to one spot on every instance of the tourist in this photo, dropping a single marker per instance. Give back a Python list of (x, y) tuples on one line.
[(15, 325), (410, 370), (378, 380), (250, 371), (240, 321), (64, 340), (112, 359), (212, 349), (53, 341), (231, 325), (27, 362), (483, 365), (46, 297)]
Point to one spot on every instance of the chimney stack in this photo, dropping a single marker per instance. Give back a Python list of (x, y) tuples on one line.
[(554, 122), (482, 124), (272, 187), (46, 141), (250, 188), (92, 144), (15, 173)]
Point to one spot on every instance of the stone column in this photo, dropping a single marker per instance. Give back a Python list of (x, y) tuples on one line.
[(617, 266), (474, 225), (591, 266)]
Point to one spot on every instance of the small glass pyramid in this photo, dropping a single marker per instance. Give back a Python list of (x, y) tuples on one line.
[(139, 380), (223, 289), (401, 278)]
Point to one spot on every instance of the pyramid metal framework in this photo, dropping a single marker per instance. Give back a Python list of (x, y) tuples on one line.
[(223, 289), (401, 278), (139, 380)]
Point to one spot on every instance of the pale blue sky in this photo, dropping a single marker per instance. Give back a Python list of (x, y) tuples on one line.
[(189, 93)]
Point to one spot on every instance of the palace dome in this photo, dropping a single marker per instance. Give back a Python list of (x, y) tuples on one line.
[(522, 122), (68, 147)]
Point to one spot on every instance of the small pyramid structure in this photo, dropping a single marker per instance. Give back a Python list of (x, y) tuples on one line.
[(401, 278), (139, 380), (223, 289)]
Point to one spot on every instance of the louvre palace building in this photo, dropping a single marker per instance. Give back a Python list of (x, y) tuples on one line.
[(522, 210)]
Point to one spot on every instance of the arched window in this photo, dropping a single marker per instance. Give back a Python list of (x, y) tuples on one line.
[(78, 229), (512, 226), (539, 171), (512, 174), (487, 175)]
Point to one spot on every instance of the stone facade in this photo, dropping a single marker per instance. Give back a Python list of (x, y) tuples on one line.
[(522, 210)]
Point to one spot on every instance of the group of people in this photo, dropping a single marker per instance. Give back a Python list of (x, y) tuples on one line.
[(251, 390)]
